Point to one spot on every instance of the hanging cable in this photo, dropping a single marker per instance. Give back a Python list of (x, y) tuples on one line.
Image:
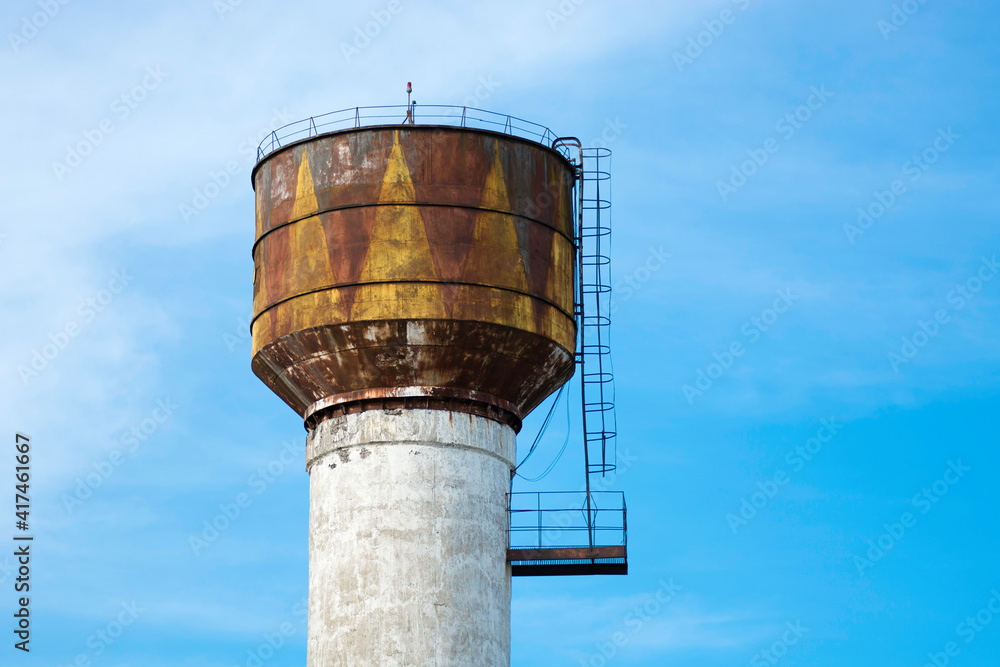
[(561, 451), (541, 430)]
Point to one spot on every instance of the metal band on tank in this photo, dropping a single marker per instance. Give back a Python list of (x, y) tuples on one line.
[(418, 204), (431, 398)]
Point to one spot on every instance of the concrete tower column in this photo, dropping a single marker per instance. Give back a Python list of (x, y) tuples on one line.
[(407, 540)]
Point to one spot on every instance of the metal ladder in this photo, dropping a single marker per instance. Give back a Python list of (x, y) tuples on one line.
[(594, 310)]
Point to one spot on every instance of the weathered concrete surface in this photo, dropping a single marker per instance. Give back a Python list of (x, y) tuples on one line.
[(407, 540)]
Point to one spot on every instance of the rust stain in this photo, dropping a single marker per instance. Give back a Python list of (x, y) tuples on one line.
[(414, 257)]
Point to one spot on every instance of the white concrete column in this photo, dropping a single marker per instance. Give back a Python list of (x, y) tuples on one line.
[(408, 539)]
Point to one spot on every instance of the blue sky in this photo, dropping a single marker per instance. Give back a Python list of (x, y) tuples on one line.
[(750, 204)]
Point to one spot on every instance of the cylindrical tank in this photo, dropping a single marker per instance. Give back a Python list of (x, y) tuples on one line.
[(413, 300), (432, 265)]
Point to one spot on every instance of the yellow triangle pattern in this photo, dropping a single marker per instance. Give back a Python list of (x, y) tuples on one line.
[(495, 254), (495, 187), (397, 185), (307, 246), (259, 330), (259, 229), (259, 284), (398, 249), (305, 193)]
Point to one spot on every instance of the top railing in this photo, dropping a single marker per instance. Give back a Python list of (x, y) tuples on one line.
[(431, 114)]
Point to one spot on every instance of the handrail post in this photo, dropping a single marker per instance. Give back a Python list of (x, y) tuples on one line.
[(510, 498), (538, 504), (624, 523)]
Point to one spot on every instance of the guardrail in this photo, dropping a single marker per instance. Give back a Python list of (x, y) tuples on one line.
[(558, 520), (431, 114)]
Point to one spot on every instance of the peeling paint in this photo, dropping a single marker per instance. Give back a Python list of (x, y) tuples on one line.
[(467, 286)]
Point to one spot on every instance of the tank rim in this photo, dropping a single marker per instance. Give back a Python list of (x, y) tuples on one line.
[(422, 127)]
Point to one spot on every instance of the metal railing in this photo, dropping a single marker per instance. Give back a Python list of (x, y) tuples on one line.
[(558, 520), (399, 114)]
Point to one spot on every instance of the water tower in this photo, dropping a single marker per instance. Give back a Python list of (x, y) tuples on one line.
[(417, 292)]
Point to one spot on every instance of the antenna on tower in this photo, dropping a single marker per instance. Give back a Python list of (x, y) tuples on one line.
[(409, 105)]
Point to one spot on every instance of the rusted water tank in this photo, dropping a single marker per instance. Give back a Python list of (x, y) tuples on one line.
[(414, 266)]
